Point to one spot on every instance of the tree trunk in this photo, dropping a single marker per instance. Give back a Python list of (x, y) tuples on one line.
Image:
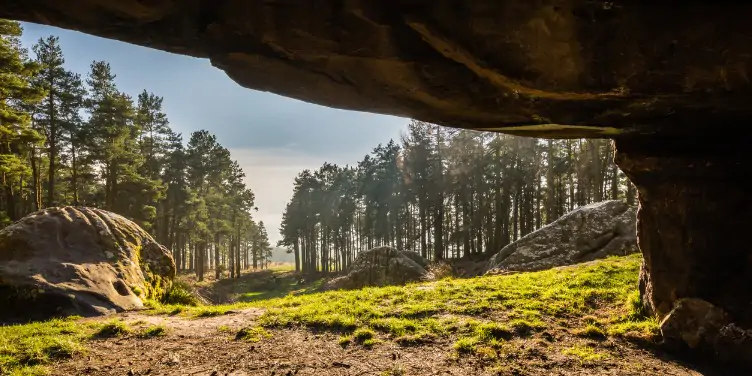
[(52, 141), (36, 179), (74, 173), (217, 269)]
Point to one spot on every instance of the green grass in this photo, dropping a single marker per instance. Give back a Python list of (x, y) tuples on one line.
[(585, 354), (282, 267), (595, 299), (153, 331), (112, 328), (478, 314), (181, 293), (252, 334), (26, 349)]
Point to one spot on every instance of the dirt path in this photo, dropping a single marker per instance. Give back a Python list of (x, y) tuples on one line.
[(207, 347)]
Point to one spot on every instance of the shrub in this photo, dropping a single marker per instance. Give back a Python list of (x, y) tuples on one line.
[(181, 293)]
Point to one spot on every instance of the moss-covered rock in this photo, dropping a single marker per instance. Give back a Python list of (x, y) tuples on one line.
[(83, 261)]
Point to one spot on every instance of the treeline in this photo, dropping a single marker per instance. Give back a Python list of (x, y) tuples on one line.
[(72, 140), (445, 194)]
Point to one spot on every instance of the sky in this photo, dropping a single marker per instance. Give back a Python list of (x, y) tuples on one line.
[(273, 138)]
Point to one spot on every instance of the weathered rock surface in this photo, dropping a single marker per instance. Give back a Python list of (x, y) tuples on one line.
[(692, 227), (567, 68), (382, 266), (76, 260), (587, 233), (693, 222), (698, 325)]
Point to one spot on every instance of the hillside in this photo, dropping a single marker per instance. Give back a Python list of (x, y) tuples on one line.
[(577, 320)]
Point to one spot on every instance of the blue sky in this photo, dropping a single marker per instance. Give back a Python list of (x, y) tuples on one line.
[(272, 137)]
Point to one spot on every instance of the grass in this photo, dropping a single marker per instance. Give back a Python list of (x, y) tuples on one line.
[(480, 311), (592, 300), (479, 314), (112, 328), (252, 334), (181, 293), (282, 267), (26, 349), (585, 354), (153, 331)]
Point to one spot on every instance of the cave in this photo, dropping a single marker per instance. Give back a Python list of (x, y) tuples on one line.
[(668, 83)]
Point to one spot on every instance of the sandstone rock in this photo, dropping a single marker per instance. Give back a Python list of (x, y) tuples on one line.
[(693, 322), (693, 220), (382, 266), (584, 234), (76, 260), (566, 68), (707, 329)]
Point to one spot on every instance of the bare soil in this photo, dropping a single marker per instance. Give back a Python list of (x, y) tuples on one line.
[(207, 347)]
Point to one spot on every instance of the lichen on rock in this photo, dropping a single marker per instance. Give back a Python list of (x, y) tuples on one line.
[(83, 261)]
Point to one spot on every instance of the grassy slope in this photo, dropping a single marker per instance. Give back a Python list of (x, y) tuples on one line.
[(591, 300)]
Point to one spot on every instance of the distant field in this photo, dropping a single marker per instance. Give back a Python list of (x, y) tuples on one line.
[(281, 266)]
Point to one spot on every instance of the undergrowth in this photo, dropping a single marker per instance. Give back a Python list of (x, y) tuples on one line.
[(181, 293)]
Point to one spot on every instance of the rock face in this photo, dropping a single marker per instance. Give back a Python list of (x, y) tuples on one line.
[(382, 266), (567, 68), (83, 261), (693, 221), (584, 234), (698, 325)]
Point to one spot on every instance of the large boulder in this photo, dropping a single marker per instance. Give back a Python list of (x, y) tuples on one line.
[(75, 260), (587, 233), (382, 266)]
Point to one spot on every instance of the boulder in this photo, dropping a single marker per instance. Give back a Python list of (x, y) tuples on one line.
[(700, 326), (76, 260), (382, 266), (587, 233)]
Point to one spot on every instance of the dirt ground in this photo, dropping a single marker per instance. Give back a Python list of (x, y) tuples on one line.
[(207, 347)]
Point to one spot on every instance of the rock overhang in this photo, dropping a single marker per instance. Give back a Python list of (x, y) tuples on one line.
[(559, 69)]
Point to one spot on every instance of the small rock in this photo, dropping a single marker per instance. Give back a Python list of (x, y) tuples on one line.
[(172, 360), (382, 266)]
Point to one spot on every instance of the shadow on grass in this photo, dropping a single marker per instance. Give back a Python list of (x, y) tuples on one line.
[(283, 287)]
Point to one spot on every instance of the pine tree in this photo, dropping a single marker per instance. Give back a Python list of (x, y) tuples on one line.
[(17, 138), (53, 80)]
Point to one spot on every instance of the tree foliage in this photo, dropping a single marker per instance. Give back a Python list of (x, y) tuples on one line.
[(65, 140), (445, 194)]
